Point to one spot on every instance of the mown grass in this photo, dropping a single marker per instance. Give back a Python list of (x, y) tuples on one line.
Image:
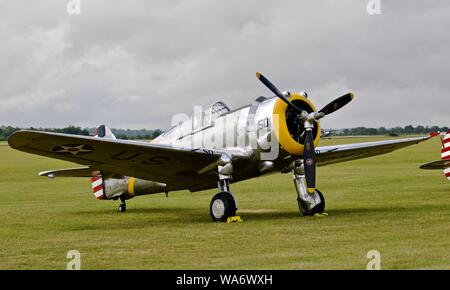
[(384, 203)]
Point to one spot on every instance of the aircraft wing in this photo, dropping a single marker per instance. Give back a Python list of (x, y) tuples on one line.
[(179, 168), (439, 164), (339, 153)]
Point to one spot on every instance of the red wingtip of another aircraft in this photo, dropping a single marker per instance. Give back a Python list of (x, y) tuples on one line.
[(434, 134)]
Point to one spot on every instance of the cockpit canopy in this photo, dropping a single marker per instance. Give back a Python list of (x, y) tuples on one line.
[(212, 112), (198, 121)]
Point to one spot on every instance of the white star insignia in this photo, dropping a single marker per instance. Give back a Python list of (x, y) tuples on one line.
[(74, 150)]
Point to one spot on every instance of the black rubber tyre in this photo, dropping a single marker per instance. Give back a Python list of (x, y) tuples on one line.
[(122, 207), (320, 208), (222, 207)]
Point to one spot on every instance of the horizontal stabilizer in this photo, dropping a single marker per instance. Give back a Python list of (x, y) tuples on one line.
[(440, 164), (70, 172)]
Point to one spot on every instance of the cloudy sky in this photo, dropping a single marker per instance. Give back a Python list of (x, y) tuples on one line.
[(134, 64)]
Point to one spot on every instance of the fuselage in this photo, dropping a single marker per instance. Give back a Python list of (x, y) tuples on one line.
[(264, 130)]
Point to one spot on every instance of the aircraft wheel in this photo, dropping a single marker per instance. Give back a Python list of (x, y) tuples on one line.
[(320, 208), (122, 207), (222, 206)]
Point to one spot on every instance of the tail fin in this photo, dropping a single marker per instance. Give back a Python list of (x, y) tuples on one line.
[(445, 153), (104, 132)]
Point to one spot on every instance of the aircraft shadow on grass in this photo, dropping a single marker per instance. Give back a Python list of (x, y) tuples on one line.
[(176, 215)]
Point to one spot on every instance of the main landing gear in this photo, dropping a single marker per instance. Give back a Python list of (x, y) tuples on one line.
[(223, 205), (308, 204)]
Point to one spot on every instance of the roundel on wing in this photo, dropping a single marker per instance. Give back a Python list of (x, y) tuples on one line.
[(73, 149)]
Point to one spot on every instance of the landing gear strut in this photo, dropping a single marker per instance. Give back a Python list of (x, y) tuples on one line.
[(123, 206), (308, 204), (223, 205)]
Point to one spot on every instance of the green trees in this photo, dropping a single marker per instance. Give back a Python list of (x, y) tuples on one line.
[(396, 131), (71, 130), (6, 131)]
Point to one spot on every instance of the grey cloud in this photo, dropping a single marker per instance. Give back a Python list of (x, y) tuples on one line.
[(137, 63)]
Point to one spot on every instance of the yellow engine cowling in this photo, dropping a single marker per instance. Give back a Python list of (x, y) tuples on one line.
[(280, 124)]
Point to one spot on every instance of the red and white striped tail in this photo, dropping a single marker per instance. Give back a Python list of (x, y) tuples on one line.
[(445, 153), (97, 186)]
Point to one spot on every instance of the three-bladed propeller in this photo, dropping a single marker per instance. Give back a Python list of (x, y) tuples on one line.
[(308, 119)]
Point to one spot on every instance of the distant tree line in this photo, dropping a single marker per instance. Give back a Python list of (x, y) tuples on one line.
[(136, 134), (6, 131), (396, 131)]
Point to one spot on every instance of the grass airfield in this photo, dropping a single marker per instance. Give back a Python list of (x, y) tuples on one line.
[(383, 203)]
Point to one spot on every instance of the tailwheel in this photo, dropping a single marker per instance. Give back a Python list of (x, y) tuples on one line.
[(123, 206), (318, 209), (222, 206)]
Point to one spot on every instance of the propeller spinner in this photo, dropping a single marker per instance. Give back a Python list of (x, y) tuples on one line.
[(308, 119)]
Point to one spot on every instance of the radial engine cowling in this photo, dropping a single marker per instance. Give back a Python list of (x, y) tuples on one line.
[(289, 130)]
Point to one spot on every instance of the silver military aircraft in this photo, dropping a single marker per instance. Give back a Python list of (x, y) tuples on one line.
[(326, 133), (274, 134)]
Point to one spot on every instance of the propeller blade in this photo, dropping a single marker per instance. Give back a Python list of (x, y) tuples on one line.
[(276, 91), (337, 104), (309, 162)]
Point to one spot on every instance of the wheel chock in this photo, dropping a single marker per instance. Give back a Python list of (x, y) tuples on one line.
[(234, 219)]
